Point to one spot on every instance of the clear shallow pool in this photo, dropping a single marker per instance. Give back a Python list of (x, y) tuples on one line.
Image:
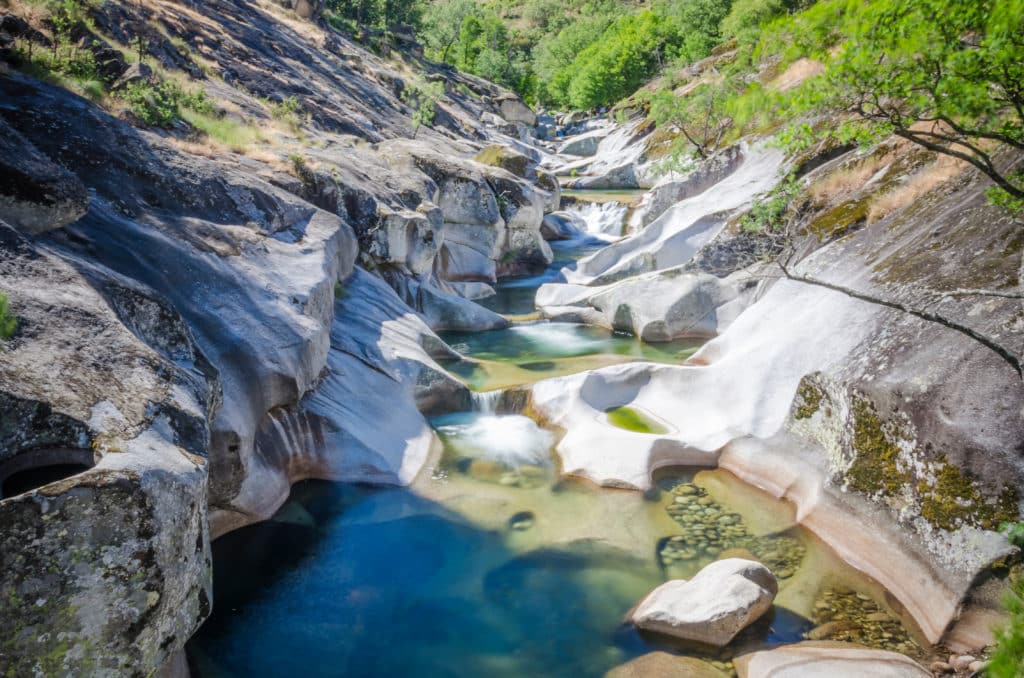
[(529, 352), (491, 565), (514, 295)]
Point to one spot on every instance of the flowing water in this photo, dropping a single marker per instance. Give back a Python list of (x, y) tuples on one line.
[(492, 563)]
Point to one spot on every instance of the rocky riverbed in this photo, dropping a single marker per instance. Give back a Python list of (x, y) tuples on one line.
[(529, 382)]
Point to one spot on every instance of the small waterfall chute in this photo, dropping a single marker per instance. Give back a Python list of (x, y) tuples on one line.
[(603, 220), (486, 402), (510, 439)]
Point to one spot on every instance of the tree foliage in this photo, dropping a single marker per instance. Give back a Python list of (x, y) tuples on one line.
[(381, 14), (701, 115), (945, 74), (629, 53)]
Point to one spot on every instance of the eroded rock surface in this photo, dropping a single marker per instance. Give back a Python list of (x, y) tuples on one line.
[(193, 323)]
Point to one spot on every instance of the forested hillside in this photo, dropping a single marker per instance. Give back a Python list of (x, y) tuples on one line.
[(579, 54), (884, 68)]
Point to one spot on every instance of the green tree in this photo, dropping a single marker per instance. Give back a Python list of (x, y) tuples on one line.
[(380, 14), (701, 115), (698, 22), (945, 74), (746, 17), (628, 53), (442, 24)]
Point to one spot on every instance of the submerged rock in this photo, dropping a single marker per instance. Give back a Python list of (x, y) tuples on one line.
[(719, 602), (665, 665), (835, 660)]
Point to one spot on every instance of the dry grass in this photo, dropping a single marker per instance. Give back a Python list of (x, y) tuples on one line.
[(915, 187), (851, 178), (798, 71)]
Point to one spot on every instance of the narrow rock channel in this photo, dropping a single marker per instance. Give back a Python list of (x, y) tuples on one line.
[(493, 562)]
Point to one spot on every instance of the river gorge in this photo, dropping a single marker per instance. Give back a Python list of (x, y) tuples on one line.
[(493, 391)]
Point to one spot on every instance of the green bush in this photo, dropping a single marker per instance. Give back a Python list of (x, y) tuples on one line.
[(8, 321), (768, 214), (1008, 655), (423, 97), (160, 104)]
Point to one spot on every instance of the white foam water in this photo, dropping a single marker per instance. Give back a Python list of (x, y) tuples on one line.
[(603, 220), (512, 439)]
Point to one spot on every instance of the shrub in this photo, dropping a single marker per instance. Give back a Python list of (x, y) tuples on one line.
[(160, 104), (1008, 656), (768, 214), (423, 98), (8, 321)]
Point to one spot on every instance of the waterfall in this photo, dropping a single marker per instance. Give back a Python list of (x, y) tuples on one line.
[(603, 219), (486, 402)]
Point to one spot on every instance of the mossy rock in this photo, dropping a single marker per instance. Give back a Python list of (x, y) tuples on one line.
[(809, 397), (947, 497), (842, 219), (507, 159)]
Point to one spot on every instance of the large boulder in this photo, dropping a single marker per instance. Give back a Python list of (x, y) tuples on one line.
[(562, 226), (36, 194), (835, 660), (104, 571), (512, 109), (409, 239), (525, 167), (363, 421), (720, 601), (524, 249), (585, 144), (675, 186), (661, 306)]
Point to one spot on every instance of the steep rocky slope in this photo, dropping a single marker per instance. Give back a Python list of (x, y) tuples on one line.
[(195, 324)]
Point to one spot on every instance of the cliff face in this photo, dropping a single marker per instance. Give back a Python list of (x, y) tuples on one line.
[(194, 324)]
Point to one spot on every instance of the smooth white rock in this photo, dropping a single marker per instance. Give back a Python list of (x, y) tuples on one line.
[(720, 601)]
